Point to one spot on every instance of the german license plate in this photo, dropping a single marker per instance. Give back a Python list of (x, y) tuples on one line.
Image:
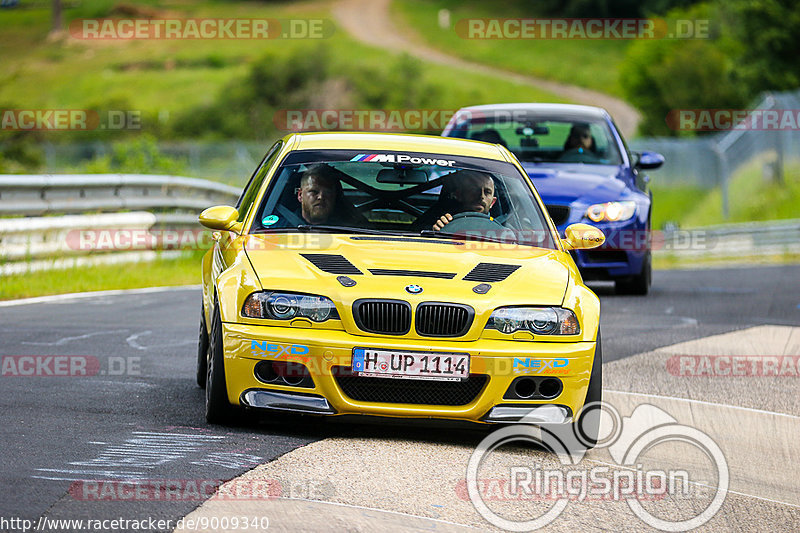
[(410, 365)]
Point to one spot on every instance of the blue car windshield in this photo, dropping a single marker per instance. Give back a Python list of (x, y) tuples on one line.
[(489, 200), (548, 140)]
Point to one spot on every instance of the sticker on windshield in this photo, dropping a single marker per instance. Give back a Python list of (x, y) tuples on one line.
[(269, 220), (403, 158)]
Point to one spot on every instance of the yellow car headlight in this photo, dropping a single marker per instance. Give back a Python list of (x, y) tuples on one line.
[(289, 305), (611, 211), (538, 320)]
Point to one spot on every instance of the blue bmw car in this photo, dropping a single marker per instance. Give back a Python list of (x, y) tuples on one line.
[(584, 172)]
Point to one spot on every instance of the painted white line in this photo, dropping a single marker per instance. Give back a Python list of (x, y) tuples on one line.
[(132, 340), (65, 340), (339, 504), (74, 295), (760, 411), (730, 491)]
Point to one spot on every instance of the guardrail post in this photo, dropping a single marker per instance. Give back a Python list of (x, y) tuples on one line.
[(723, 178)]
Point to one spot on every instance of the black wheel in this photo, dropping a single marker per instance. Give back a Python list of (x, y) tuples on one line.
[(588, 425), (218, 409), (202, 351), (637, 285), (582, 434)]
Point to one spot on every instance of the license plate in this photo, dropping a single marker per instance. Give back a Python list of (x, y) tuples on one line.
[(410, 365)]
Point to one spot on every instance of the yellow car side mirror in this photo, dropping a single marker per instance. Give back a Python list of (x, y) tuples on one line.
[(221, 217), (582, 237)]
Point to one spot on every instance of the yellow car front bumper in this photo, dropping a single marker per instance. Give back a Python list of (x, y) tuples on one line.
[(324, 351)]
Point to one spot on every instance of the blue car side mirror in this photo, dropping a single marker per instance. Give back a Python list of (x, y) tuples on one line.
[(649, 160)]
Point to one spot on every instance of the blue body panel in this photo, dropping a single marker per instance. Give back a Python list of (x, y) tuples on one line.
[(576, 186)]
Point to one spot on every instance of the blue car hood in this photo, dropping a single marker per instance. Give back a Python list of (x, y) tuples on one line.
[(565, 185)]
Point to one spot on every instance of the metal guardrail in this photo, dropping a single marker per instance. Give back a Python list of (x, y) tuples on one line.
[(748, 239), (60, 194), (146, 212)]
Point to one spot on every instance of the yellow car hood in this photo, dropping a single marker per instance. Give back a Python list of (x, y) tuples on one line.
[(287, 262)]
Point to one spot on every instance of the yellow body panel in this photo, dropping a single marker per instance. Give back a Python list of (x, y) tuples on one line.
[(328, 348), (546, 277)]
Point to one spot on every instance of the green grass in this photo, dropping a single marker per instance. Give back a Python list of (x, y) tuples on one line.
[(751, 198), (593, 64), (171, 75), (667, 261), (184, 270), (674, 204)]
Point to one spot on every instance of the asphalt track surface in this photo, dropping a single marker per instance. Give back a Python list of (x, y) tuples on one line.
[(141, 415)]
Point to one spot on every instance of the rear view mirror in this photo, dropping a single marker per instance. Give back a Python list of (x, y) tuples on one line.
[(533, 130), (402, 175)]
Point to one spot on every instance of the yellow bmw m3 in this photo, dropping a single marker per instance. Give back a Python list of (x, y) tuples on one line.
[(396, 276)]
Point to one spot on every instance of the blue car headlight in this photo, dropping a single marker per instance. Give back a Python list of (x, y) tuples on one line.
[(611, 211), (538, 320), (289, 305)]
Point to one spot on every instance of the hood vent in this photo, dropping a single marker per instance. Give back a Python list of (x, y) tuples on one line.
[(490, 272), (414, 273), (332, 264)]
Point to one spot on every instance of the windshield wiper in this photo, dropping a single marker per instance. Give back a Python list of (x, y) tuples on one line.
[(343, 229), (469, 236)]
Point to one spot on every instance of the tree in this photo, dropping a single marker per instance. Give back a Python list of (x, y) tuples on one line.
[(767, 33), (663, 76)]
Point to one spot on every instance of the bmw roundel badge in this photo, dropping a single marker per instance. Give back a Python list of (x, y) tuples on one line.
[(413, 289)]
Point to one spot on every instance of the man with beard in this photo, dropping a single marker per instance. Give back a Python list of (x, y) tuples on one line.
[(472, 191), (318, 195)]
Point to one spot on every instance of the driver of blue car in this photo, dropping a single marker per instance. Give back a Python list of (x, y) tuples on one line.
[(469, 191)]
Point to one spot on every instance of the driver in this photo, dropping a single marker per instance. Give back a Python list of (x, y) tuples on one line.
[(317, 195), (472, 191)]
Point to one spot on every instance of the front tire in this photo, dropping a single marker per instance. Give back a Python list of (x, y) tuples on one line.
[(584, 432), (202, 351), (587, 427), (218, 409), (638, 285)]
